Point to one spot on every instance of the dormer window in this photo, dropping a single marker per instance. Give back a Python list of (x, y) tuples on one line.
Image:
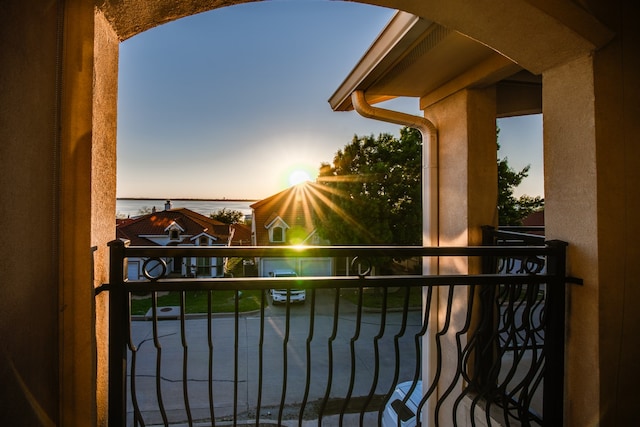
[(277, 230), (174, 231), (203, 241), (277, 234)]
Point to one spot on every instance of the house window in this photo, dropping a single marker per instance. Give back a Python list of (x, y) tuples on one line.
[(203, 241), (177, 265), (174, 234), (203, 266), (277, 234)]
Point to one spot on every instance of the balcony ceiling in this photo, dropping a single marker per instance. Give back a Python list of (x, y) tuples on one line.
[(413, 57)]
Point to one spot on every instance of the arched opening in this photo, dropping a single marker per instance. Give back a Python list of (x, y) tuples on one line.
[(532, 53), (62, 76)]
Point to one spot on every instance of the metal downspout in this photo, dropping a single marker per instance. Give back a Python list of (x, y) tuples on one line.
[(430, 222)]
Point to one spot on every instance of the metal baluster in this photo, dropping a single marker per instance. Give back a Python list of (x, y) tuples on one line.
[(137, 415), (309, 340), (285, 343), (210, 343), (236, 347), (352, 351), (396, 347), (418, 347), (332, 338), (462, 353), (260, 356), (376, 353), (156, 343), (436, 378), (185, 358)]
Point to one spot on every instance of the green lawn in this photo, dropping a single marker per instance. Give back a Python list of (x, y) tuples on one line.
[(197, 302), (224, 301)]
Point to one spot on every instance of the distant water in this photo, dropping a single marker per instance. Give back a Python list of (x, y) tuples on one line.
[(132, 207)]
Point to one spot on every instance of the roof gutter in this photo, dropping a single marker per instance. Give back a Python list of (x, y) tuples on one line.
[(429, 163)]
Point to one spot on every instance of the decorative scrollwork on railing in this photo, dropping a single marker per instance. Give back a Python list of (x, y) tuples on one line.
[(359, 262), (521, 265), (154, 268)]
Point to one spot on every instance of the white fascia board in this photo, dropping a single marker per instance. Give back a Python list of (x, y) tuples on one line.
[(396, 37), (309, 236), (275, 221), (173, 226), (214, 238)]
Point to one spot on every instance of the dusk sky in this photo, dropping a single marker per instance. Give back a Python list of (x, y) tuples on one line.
[(231, 102)]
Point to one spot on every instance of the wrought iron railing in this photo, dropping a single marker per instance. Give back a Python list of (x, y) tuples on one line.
[(494, 339)]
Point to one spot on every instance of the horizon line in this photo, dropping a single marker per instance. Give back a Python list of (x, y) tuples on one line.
[(195, 199)]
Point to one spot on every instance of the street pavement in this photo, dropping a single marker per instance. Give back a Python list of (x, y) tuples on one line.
[(235, 381)]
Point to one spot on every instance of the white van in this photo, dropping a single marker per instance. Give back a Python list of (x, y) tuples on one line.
[(280, 295)]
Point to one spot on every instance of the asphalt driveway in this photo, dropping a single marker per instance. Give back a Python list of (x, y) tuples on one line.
[(278, 384)]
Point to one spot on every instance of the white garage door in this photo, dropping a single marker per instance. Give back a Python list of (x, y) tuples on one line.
[(302, 266)]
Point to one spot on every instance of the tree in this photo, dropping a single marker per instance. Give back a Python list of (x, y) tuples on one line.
[(228, 216), (376, 192), (145, 210), (512, 210)]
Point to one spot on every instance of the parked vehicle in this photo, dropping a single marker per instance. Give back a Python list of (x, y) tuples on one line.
[(396, 409), (280, 295)]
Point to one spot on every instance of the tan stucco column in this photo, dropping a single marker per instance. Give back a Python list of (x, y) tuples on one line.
[(592, 169), (468, 176), (103, 190), (76, 302), (87, 209), (571, 215)]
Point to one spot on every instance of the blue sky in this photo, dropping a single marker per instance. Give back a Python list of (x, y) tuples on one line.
[(228, 103)]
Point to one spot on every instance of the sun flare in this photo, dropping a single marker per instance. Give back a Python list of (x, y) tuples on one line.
[(299, 176)]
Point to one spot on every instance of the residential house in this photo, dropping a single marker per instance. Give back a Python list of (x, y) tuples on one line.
[(287, 218), (177, 227), (578, 58)]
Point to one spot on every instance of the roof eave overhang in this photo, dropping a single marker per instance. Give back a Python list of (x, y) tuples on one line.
[(392, 43), (414, 57)]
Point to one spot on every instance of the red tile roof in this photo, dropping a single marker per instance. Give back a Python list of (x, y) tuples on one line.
[(240, 235), (534, 219), (156, 223)]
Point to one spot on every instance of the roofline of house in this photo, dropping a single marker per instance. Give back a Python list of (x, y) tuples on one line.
[(392, 43)]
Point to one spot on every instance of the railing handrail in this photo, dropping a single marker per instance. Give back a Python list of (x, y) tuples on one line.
[(335, 251)]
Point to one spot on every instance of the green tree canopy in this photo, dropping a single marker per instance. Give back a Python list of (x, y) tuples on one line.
[(228, 216), (375, 191)]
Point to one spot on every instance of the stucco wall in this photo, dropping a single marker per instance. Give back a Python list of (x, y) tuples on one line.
[(592, 199), (570, 215), (617, 107), (28, 254), (103, 189)]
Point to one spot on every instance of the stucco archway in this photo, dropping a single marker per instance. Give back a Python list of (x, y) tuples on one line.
[(529, 35), (536, 37), (59, 98)]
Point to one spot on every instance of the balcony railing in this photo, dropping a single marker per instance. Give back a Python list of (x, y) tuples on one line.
[(482, 347)]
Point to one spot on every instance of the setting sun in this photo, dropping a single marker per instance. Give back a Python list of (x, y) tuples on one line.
[(298, 176)]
